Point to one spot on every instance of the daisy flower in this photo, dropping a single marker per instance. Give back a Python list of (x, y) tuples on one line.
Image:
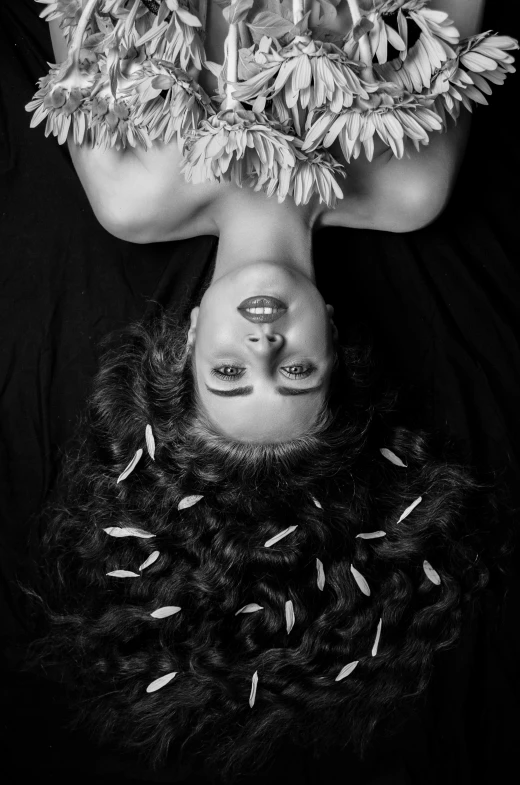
[(390, 113), (315, 172), (181, 110), (305, 72), (69, 11), (481, 59), (239, 145), (173, 36)]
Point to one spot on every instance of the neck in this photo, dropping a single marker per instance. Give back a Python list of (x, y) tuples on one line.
[(253, 227)]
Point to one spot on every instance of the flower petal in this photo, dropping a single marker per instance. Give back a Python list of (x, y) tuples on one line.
[(279, 536), (123, 574), (160, 682), (321, 574), (378, 635), (392, 457), (131, 466), (432, 574), (127, 531), (346, 670), (289, 615), (188, 501), (316, 502), (254, 683), (250, 608), (150, 560), (361, 582), (166, 610), (409, 509), (150, 441), (370, 535)]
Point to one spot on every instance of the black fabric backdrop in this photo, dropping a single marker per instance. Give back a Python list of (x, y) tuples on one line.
[(442, 307)]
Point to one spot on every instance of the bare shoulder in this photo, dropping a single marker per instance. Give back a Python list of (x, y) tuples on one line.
[(402, 195)]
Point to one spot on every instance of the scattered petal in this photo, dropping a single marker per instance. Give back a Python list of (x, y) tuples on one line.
[(167, 610), (392, 457), (123, 574), (188, 501), (254, 682), (361, 582), (289, 615), (409, 509), (158, 683), (316, 502), (346, 670), (150, 442), (321, 574), (432, 574), (279, 536), (150, 560), (378, 635), (253, 606), (127, 531), (371, 535), (131, 466)]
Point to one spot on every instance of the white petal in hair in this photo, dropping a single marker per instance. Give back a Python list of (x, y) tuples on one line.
[(127, 531), (316, 502), (158, 683), (150, 442), (150, 560), (432, 574), (168, 610), (254, 682), (131, 466), (279, 536), (392, 457), (371, 535), (321, 574), (188, 501), (378, 635), (123, 574), (346, 670), (361, 582), (289, 615), (409, 509), (253, 606)]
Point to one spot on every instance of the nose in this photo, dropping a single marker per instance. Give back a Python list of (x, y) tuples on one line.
[(265, 341)]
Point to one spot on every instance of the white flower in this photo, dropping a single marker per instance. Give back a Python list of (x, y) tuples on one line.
[(315, 172), (239, 145)]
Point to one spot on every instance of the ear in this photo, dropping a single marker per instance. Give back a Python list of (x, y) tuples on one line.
[(335, 333), (194, 315)]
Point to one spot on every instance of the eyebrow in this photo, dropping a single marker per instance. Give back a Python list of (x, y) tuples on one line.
[(280, 390)]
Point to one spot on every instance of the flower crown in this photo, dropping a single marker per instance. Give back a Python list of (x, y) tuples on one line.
[(286, 90)]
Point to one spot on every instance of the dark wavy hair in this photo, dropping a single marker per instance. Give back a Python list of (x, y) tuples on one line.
[(98, 633)]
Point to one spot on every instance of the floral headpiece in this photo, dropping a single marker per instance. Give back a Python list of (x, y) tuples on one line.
[(131, 78)]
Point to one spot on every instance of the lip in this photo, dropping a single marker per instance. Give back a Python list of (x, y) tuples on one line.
[(258, 302)]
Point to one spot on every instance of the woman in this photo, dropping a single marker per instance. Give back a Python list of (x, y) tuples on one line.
[(242, 571)]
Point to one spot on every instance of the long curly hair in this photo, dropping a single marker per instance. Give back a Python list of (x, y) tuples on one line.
[(99, 633)]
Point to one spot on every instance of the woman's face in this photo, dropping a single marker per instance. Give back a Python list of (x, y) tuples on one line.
[(295, 352)]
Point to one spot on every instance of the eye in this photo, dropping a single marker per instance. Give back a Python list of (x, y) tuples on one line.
[(291, 375)]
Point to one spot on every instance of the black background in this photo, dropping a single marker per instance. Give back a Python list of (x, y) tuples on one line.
[(442, 307)]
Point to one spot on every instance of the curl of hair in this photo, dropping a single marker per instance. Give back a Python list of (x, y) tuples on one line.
[(98, 633)]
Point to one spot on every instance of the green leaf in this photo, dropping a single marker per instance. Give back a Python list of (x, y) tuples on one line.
[(267, 23), (237, 11), (363, 26), (327, 12), (302, 26)]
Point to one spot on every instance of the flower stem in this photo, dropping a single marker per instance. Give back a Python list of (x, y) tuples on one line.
[(365, 50), (202, 10), (298, 10), (231, 49), (75, 47)]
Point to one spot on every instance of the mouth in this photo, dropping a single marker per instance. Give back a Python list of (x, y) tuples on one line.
[(262, 309)]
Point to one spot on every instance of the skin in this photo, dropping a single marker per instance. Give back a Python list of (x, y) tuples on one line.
[(265, 249)]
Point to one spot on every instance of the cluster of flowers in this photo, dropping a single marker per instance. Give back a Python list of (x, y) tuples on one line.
[(131, 78), (191, 500)]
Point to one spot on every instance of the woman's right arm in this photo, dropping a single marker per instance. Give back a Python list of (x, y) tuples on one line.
[(132, 192)]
